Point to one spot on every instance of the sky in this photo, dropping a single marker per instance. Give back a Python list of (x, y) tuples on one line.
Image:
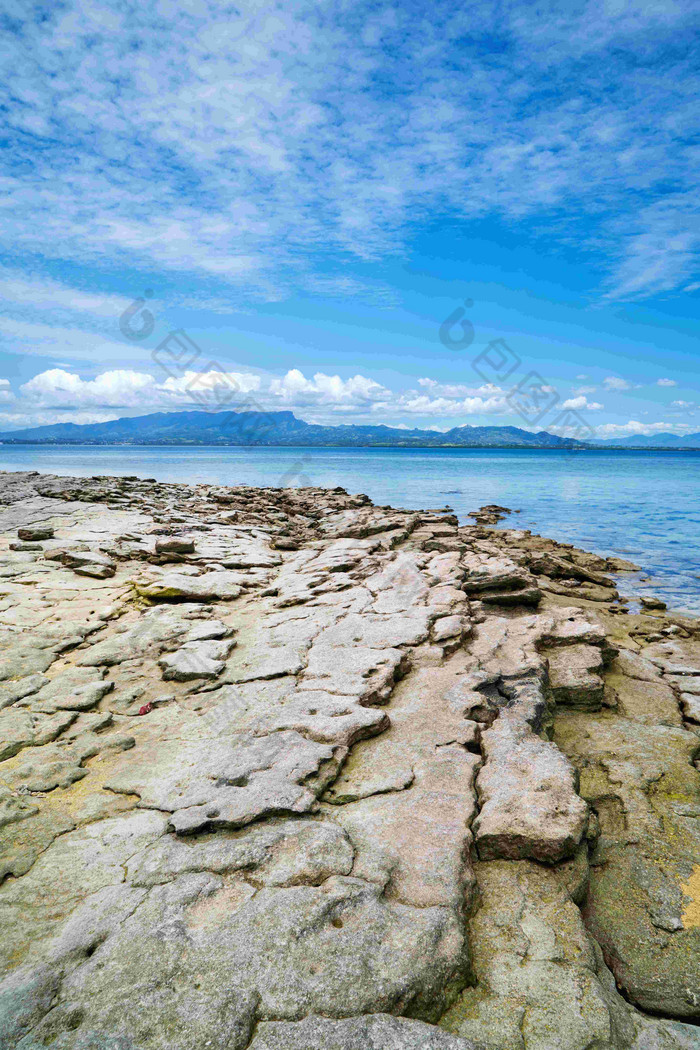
[(420, 214)]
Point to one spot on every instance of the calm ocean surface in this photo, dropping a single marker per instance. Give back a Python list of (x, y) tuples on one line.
[(644, 506)]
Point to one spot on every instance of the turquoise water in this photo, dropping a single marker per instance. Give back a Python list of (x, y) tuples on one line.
[(644, 506)]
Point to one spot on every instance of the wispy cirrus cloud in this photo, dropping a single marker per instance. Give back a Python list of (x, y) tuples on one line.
[(263, 148), (616, 383)]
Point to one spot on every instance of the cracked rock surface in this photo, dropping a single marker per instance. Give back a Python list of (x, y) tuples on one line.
[(280, 769)]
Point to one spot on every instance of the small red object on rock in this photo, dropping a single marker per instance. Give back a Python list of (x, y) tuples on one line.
[(146, 708)]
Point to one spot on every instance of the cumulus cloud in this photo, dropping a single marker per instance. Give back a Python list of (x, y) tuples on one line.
[(128, 389), (582, 402), (358, 391), (61, 394), (239, 143), (666, 382), (120, 391)]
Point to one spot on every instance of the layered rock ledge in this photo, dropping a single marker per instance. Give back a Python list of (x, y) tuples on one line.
[(284, 770)]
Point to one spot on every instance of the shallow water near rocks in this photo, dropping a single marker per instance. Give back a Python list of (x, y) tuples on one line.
[(644, 506)]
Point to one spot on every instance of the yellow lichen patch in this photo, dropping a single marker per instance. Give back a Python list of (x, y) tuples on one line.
[(691, 889)]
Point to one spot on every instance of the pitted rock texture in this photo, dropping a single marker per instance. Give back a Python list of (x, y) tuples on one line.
[(283, 770)]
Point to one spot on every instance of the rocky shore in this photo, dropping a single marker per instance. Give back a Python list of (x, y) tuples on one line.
[(284, 770)]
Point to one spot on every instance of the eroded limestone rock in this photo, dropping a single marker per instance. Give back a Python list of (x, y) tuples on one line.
[(361, 817)]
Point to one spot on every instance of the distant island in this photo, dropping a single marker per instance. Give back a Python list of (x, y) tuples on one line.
[(284, 428)]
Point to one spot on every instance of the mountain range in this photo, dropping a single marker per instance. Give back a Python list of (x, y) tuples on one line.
[(271, 428), (284, 428)]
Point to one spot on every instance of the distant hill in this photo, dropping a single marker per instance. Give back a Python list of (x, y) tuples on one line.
[(654, 441), (283, 428), (273, 428)]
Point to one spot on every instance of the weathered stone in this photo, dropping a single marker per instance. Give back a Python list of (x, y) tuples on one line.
[(690, 705), (448, 627), (205, 659), (529, 805), (14, 808), (229, 783), (640, 906), (174, 545), (372, 1032), (89, 563), (35, 533), (10, 692), (368, 674), (20, 729), (176, 587), (574, 676), (267, 857), (389, 769)]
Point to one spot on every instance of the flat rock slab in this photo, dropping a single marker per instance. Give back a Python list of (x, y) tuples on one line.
[(198, 659), (231, 782), (529, 804), (574, 676), (372, 956), (366, 673), (20, 729), (379, 632), (373, 1032), (177, 587)]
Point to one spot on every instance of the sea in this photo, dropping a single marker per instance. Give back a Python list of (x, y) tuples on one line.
[(639, 505)]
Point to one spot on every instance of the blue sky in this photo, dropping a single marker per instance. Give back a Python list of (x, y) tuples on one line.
[(310, 190)]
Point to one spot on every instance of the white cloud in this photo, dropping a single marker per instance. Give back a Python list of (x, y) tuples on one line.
[(244, 141), (682, 404), (295, 389), (616, 383), (194, 385), (582, 403), (461, 389), (121, 391), (423, 405), (127, 389), (584, 390), (61, 394), (610, 430), (666, 382)]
